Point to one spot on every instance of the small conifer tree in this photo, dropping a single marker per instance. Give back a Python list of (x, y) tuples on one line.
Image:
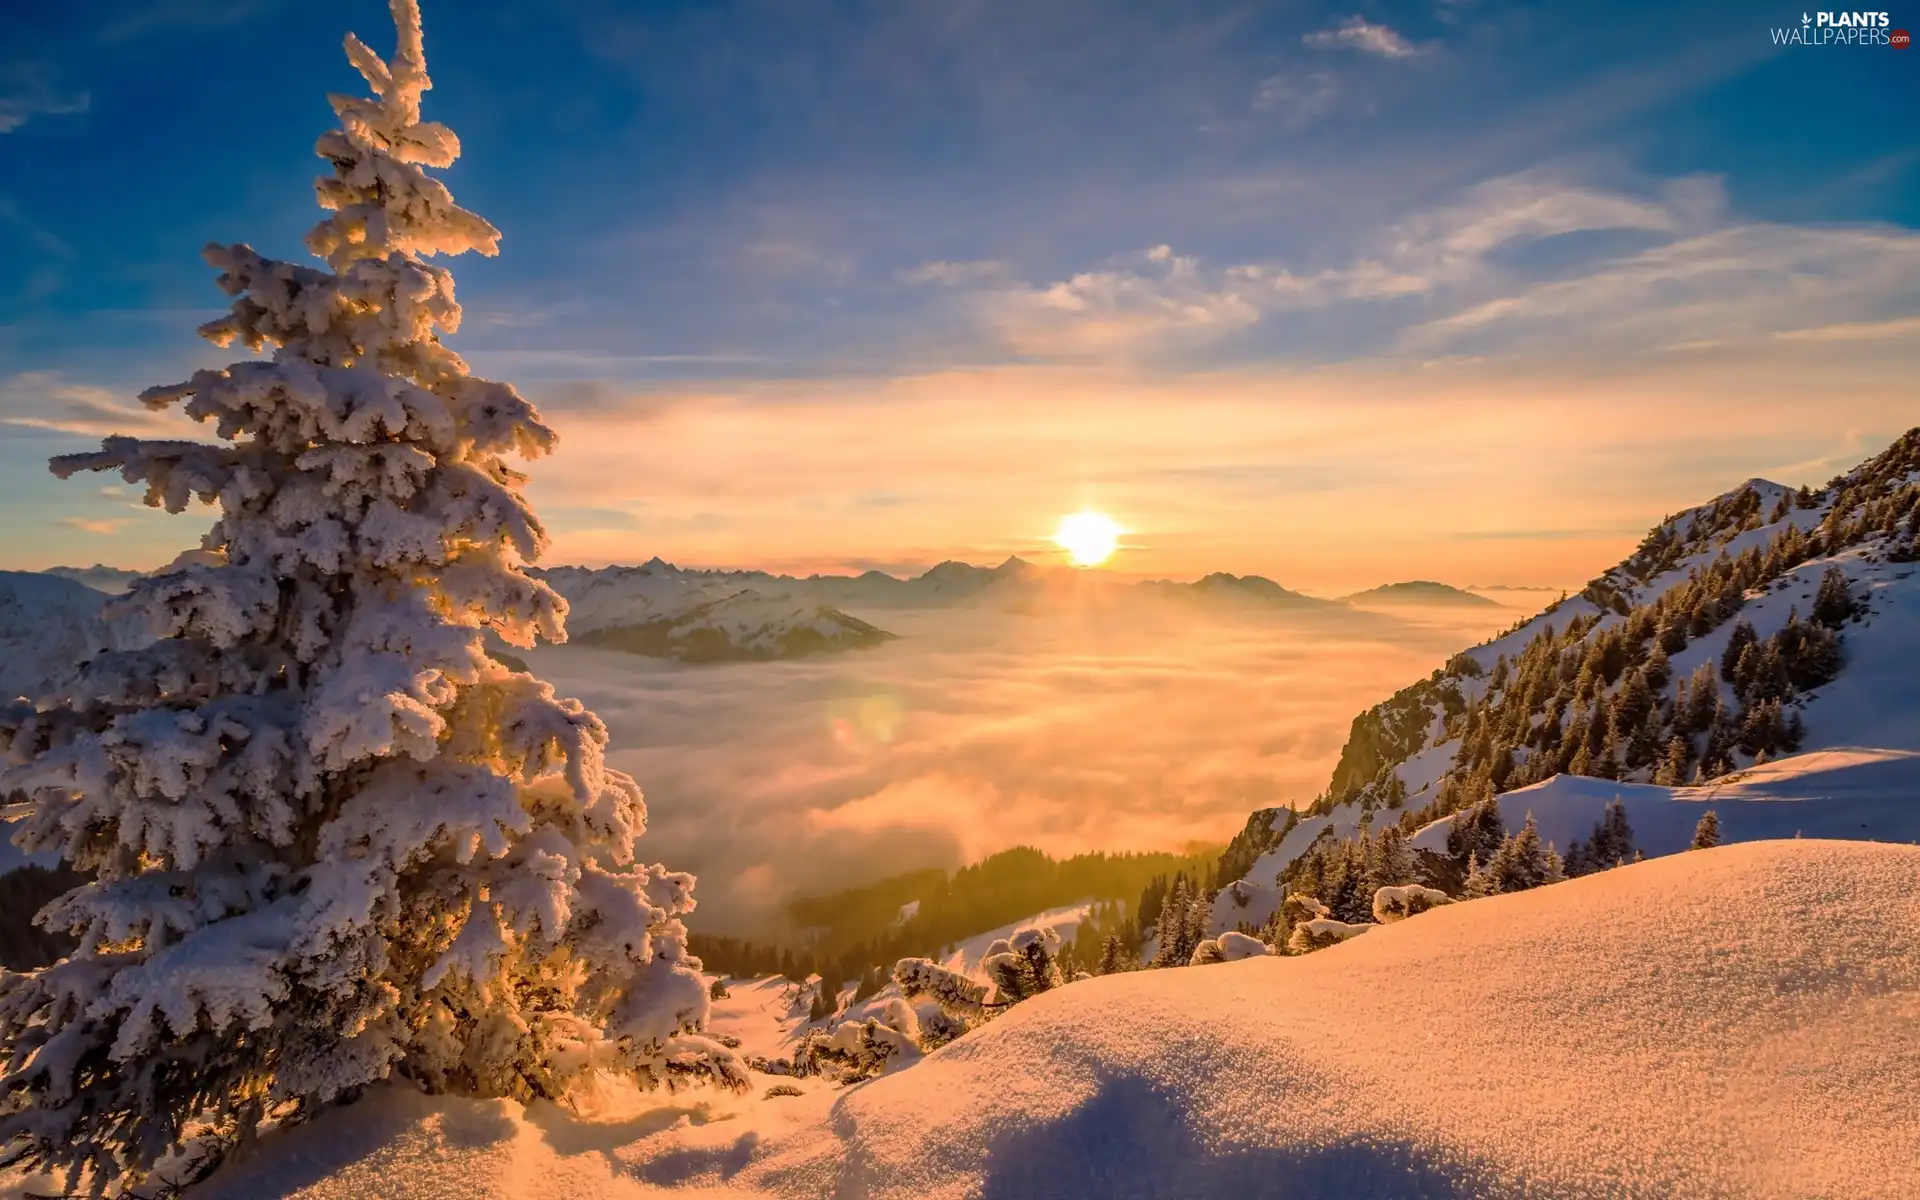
[(1706, 835)]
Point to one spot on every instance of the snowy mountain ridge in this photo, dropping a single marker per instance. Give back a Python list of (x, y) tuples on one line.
[(49, 626), (99, 577), (701, 615), (744, 626), (1763, 623), (603, 595)]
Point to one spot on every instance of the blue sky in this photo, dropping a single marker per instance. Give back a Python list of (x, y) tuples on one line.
[(904, 226)]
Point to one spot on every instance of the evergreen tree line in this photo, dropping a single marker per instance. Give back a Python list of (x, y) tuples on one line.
[(857, 934), (1875, 501), (1599, 699)]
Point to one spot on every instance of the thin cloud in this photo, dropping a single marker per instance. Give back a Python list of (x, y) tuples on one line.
[(1713, 290), (160, 16), (1137, 304), (1651, 271), (1298, 100), (101, 526), (29, 90), (958, 274), (44, 400), (1358, 33), (1856, 331)]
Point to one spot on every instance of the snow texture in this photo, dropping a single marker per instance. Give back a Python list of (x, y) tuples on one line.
[(1743, 1021)]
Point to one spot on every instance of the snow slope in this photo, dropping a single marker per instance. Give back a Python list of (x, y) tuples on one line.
[(48, 627), (762, 1015), (1862, 794), (1736, 1022)]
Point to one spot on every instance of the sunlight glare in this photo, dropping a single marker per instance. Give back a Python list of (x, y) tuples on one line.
[(1089, 538)]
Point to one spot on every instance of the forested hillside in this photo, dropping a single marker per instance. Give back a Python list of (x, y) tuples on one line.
[(846, 935), (1766, 621)]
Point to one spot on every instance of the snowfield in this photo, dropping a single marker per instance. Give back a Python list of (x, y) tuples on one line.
[(1743, 1021), (1862, 794)]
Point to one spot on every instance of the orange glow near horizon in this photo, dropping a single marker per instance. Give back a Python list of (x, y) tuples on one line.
[(1327, 481)]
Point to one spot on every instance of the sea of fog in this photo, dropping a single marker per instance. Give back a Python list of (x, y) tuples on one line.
[(1137, 727)]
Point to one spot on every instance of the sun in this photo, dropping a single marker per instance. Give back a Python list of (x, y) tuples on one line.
[(1089, 538)]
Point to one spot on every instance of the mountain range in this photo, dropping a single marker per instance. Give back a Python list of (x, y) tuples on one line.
[(708, 616)]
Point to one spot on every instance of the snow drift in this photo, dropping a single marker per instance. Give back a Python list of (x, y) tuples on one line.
[(1741, 1021)]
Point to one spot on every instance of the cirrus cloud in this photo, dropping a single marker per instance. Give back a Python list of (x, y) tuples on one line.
[(1358, 33)]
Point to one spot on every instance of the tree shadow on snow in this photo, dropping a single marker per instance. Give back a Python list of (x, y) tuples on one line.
[(1131, 1142), (690, 1163)]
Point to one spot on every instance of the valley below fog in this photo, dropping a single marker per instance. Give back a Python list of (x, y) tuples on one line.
[(1129, 725)]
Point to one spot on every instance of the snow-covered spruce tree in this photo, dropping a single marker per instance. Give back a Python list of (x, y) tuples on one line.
[(1026, 967), (331, 840), (1172, 949), (1321, 932), (865, 1048), (1521, 862)]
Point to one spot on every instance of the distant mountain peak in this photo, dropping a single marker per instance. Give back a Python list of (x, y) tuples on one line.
[(1420, 591)]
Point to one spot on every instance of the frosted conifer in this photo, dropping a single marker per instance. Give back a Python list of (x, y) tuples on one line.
[(1172, 950), (331, 839), (1027, 967), (1521, 862), (957, 995)]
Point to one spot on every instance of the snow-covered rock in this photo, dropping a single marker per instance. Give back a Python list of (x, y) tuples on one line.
[(1743, 1021)]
